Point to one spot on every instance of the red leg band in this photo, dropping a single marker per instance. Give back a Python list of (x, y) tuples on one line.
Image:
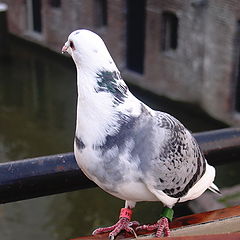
[(125, 213)]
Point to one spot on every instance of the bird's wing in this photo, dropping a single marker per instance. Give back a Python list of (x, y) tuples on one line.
[(167, 154), (177, 162)]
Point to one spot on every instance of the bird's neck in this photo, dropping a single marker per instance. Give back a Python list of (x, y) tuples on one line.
[(98, 96)]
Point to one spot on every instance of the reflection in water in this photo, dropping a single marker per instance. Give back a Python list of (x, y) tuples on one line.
[(37, 105), (37, 117)]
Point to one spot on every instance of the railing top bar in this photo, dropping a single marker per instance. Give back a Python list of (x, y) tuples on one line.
[(41, 176)]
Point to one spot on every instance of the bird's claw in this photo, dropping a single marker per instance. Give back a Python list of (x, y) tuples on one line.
[(162, 227), (122, 224)]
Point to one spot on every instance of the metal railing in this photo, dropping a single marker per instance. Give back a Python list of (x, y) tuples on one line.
[(35, 177)]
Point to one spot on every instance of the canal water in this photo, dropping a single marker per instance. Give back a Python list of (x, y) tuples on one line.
[(37, 117)]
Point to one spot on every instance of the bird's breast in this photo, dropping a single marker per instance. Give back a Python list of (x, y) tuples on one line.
[(113, 172)]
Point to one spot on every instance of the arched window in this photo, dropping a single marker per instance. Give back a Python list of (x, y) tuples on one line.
[(169, 38)]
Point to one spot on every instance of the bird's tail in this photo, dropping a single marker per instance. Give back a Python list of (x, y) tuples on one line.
[(214, 189)]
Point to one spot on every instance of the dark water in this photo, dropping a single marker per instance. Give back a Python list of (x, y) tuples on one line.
[(37, 117)]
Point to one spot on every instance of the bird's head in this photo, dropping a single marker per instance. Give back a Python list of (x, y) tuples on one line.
[(96, 68), (88, 50)]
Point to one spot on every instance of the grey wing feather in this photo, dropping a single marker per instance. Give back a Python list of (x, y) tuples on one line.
[(179, 163)]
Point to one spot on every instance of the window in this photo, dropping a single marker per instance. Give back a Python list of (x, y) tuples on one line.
[(136, 14), (169, 40), (36, 16), (55, 3), (101, 13)]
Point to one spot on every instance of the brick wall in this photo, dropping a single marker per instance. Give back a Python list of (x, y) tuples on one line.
[(200, 70), (58, 23), (218, 91)]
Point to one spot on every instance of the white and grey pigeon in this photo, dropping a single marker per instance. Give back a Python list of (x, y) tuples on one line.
[(125, 147)]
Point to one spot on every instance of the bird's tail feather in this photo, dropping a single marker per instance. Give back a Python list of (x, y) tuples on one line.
[(214, 189)]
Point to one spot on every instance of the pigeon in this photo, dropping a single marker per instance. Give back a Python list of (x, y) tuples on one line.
[(128, 149)]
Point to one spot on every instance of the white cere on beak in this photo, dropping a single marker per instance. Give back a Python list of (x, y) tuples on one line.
[(67, 45), (64, 49)]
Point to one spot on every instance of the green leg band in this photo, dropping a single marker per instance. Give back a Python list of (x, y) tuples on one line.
[(167, 213)]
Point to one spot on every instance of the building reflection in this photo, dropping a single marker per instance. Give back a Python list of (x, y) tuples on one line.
[(37, 103)]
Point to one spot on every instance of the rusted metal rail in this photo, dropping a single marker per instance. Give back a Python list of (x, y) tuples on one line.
[(35, 177)]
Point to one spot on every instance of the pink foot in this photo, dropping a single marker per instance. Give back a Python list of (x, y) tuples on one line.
[(162, 227), (122, 224)]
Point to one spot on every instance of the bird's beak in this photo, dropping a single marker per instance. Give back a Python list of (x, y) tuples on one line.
[(64, 49)]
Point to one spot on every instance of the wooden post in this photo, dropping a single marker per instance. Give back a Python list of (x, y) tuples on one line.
[(3, 30)]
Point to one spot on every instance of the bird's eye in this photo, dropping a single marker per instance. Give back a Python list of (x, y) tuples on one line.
[(71, 44)]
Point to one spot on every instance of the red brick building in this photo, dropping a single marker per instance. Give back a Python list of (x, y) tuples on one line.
[(184, 49)]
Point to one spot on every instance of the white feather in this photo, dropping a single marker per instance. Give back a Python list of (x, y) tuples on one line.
[(201, 186)]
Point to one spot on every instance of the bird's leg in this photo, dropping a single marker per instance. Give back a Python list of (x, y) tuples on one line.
[(122, 224), (162, 225)]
